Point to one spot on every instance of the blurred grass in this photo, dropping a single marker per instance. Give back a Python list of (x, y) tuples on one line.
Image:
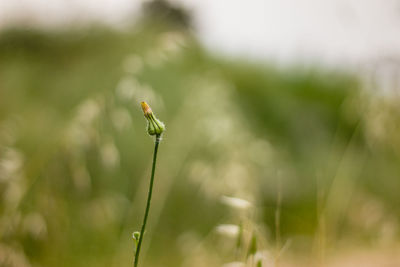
[(75, 156)]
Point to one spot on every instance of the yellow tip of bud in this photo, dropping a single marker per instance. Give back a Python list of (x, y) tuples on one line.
[(146, 109)]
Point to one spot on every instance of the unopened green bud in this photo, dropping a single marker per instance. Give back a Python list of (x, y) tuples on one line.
[(136, 236), (154, 126)]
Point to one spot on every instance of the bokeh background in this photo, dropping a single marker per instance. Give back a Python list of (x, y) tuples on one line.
[(282, 143)]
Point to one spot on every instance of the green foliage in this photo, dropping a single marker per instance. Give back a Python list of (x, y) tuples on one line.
[(74, 164)]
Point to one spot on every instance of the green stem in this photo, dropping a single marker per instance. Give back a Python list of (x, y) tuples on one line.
[(146, 214)]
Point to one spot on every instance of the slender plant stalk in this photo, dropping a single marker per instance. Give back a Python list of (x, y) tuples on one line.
[(146, 214), (154, 127), (278, 221)]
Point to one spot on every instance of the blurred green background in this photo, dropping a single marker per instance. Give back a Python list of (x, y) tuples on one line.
[(75, 157)]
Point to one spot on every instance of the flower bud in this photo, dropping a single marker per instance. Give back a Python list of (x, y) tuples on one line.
[(136, 236), (154, 126)]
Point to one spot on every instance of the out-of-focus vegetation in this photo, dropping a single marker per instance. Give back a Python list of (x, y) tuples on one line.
[(75, 156)]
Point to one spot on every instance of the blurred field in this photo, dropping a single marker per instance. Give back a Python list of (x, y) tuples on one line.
[(75, 158)]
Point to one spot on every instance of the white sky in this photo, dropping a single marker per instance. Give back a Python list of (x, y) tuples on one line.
[(344, 32)]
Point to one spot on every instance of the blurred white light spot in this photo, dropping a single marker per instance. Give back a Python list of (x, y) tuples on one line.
[(88, 111), (121, 119), (230, 230), (234, 264), (236, 202), (13, 194), (10, 162), (109, 155), (81, 177), (35, 225), (126, 88)]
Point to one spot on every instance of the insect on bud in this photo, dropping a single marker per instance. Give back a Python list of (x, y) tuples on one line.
[(154, 126)]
